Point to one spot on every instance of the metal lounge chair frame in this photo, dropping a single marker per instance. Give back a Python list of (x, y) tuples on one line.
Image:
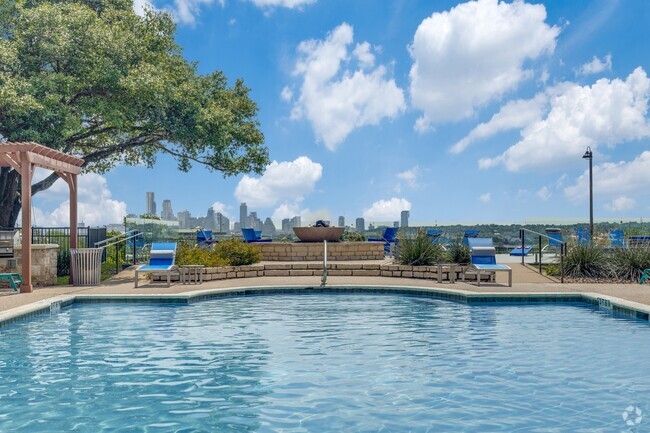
[(161, 261), (484, 260)]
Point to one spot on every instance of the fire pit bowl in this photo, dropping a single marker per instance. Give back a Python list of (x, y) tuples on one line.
[(318, 234)]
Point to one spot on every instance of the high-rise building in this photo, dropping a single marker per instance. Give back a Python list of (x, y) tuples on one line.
[(295, 221), (405, 218), (341, 221), (268, 228), (243, 215), (167, 212), (236, 227), (286, 225), (254, 222), (210, 220), (361, 225), (184, 219), (396, 224), (151, 204), (222, 223)]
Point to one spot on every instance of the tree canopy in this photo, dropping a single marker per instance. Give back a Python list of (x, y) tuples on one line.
[(93, 79)]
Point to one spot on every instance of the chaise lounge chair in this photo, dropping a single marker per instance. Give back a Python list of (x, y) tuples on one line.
[(161, 261), (388, 237), (484, 259), (470, 234), (14, 279), (583, 236), (251, 236), (204, 238), (617, 239)]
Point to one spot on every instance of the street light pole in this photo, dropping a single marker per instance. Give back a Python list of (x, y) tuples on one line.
[(589, 155)]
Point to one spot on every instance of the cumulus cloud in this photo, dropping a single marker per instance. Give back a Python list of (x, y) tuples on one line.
[(222, 208), (386, 210), (96, 206), (485, 197), (408, 178), (515, 114), (183, 11), (544, 193), (286, 94), (612, 180), (288, 181), (596, 66), (621, 204), (289, 4), (607, 113), (338, 94), (467, 56)]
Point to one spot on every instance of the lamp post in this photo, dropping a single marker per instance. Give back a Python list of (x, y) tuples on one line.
[(589, 155)]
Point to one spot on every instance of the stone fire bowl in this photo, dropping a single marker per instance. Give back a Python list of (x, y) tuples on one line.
[(318, 234)]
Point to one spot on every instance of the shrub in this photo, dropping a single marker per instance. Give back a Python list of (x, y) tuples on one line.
[(353, 237), (187, 254), (238, 253), (458, 253), (418, 250), (587, 261), (63, 263), (629, 263)]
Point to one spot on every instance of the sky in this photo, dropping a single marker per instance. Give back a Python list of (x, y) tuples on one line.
[(459, 112)]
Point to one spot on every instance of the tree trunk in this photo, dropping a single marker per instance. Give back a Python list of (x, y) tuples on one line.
[(9, 196)]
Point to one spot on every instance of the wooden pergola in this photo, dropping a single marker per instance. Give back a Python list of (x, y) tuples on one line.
[(24, 158)]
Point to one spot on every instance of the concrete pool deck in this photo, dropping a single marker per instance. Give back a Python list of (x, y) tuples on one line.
[(525, 281)]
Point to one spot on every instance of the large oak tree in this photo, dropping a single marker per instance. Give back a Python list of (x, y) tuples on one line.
[(93, 79)]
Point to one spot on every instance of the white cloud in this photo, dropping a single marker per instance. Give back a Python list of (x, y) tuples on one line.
[(222, 208), (596, 66), (612, 180), (408, 178), (286, 94), (386, 210), (485, 197), (287, 210), (473, 54), (607, 113), (544, 193), (621, 204), (335, 97), (559, 183), (515, 114), (183, 11), (96, 205), (288, 181), (289, 4)]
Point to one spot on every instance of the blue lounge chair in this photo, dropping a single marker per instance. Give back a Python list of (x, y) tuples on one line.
[(434, 235), (480, 242), (617, 239), (555, 239), (161, 261), (204, 238), (388, 237), (484, 260), (250, 236), (469, 234), (583, 236), (15, 280), (518, 252)]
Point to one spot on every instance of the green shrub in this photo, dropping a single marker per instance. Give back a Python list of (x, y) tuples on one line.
[(188, 254), (63, 263), (418, 250), (458, 253), (353, 237), (629, 263), (590, 261), (238, 253)]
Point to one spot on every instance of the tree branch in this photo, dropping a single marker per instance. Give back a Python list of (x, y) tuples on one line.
[(191, 158), (45, 183)]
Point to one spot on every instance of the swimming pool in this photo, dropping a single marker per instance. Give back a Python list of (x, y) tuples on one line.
[(325, 363)]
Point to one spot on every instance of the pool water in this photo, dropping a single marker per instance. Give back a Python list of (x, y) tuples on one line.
[(325, 363)]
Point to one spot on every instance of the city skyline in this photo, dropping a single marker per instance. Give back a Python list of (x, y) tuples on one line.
[(495, 133)]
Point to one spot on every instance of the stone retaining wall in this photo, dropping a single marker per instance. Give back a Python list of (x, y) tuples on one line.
[(334, 269), (43, 263), (306, 251)]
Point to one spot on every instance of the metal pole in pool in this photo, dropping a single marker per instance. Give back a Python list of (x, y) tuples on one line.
[(323, 280)]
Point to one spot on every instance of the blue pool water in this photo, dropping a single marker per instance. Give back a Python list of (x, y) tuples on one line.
[(325, 363)]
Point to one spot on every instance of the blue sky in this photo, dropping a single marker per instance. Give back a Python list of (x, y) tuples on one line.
[(460, 112)]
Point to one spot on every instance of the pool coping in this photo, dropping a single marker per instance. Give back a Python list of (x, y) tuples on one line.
[(618, 305)]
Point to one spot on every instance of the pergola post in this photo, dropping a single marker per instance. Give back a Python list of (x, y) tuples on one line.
[(26, 199)]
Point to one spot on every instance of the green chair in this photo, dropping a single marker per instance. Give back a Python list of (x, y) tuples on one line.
[(14, 279), (645, 276)]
